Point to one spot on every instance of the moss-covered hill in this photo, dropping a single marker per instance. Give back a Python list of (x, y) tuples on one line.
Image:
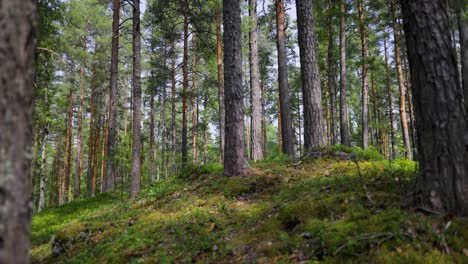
[(316, 210)]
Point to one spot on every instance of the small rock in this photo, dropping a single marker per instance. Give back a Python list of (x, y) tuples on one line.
[(215, 248), (465, 252), (131, 222), (306, 235)]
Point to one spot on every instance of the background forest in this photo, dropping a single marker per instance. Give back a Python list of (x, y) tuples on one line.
[(180, 78), (170, 131)]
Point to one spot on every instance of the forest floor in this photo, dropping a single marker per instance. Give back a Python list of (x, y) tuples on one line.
[(316, 210)]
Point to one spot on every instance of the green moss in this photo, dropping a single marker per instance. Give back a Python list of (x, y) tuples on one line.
[(315, 211)]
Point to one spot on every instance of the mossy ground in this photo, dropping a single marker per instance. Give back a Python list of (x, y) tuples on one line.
[(313, 211)]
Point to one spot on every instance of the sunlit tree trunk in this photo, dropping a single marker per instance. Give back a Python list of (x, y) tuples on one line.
[(235, 158), (365, 77), (79, 141), (389, 101), (401, 86), (219, 58), (285, 108), (185, 84)]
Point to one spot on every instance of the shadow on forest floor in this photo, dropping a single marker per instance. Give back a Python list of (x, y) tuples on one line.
[(319, 209)]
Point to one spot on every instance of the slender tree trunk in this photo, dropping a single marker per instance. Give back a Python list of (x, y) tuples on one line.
[(401, 86), (412, 123), (173, 109), (365, 81), (235, 159), (79, 144), (164, 156), (463, 31), (280, 133), (390, 104), (344, 130), (136, 136), (151, 143), (105, 140), (68, 147), (54, 193), (91, 149), (264, 124), (109, 180), (219, 57), (331, 75), (18, 20), (96, 138), (42, 179), (256, 125), (194, 98), (285, 109), (440, 115), (185, 84), (205, 131)]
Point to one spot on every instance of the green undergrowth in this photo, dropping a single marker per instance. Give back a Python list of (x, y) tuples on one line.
[(316, 210)]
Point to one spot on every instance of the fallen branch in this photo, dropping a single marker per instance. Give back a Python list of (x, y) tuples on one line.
[(386, 236), (356, 161)]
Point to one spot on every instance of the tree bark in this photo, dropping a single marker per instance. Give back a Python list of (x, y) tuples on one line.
[(256, 125), (42, 179), (311, 87), (18, 21), (91, 149), (264, 124), (390, 104), (285, 109), (440, 116), (185, 85), (96, 138), (331, 75), (463, 31), (401, 86), (79, 141), (194, 98), (68, 147), (219, 58), (365, 77), (173, 108), (136, 135), (109, 180), (344, 130), (235, 159)]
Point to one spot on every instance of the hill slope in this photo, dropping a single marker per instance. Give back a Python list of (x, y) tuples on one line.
[(316, 210)]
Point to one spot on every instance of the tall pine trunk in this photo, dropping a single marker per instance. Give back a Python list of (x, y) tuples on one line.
[(17, 47), (68, 147), (331, 75), (311, 90), (136, 135), (440, 116), (344, 130), (365, 77), (79, 141), (109, 179), (173, 108), (91, 149), (194, 98), (389, 101), (219, 59), (285, 109), (185, 84), (235, 158), (401, 86), (256, 125)]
